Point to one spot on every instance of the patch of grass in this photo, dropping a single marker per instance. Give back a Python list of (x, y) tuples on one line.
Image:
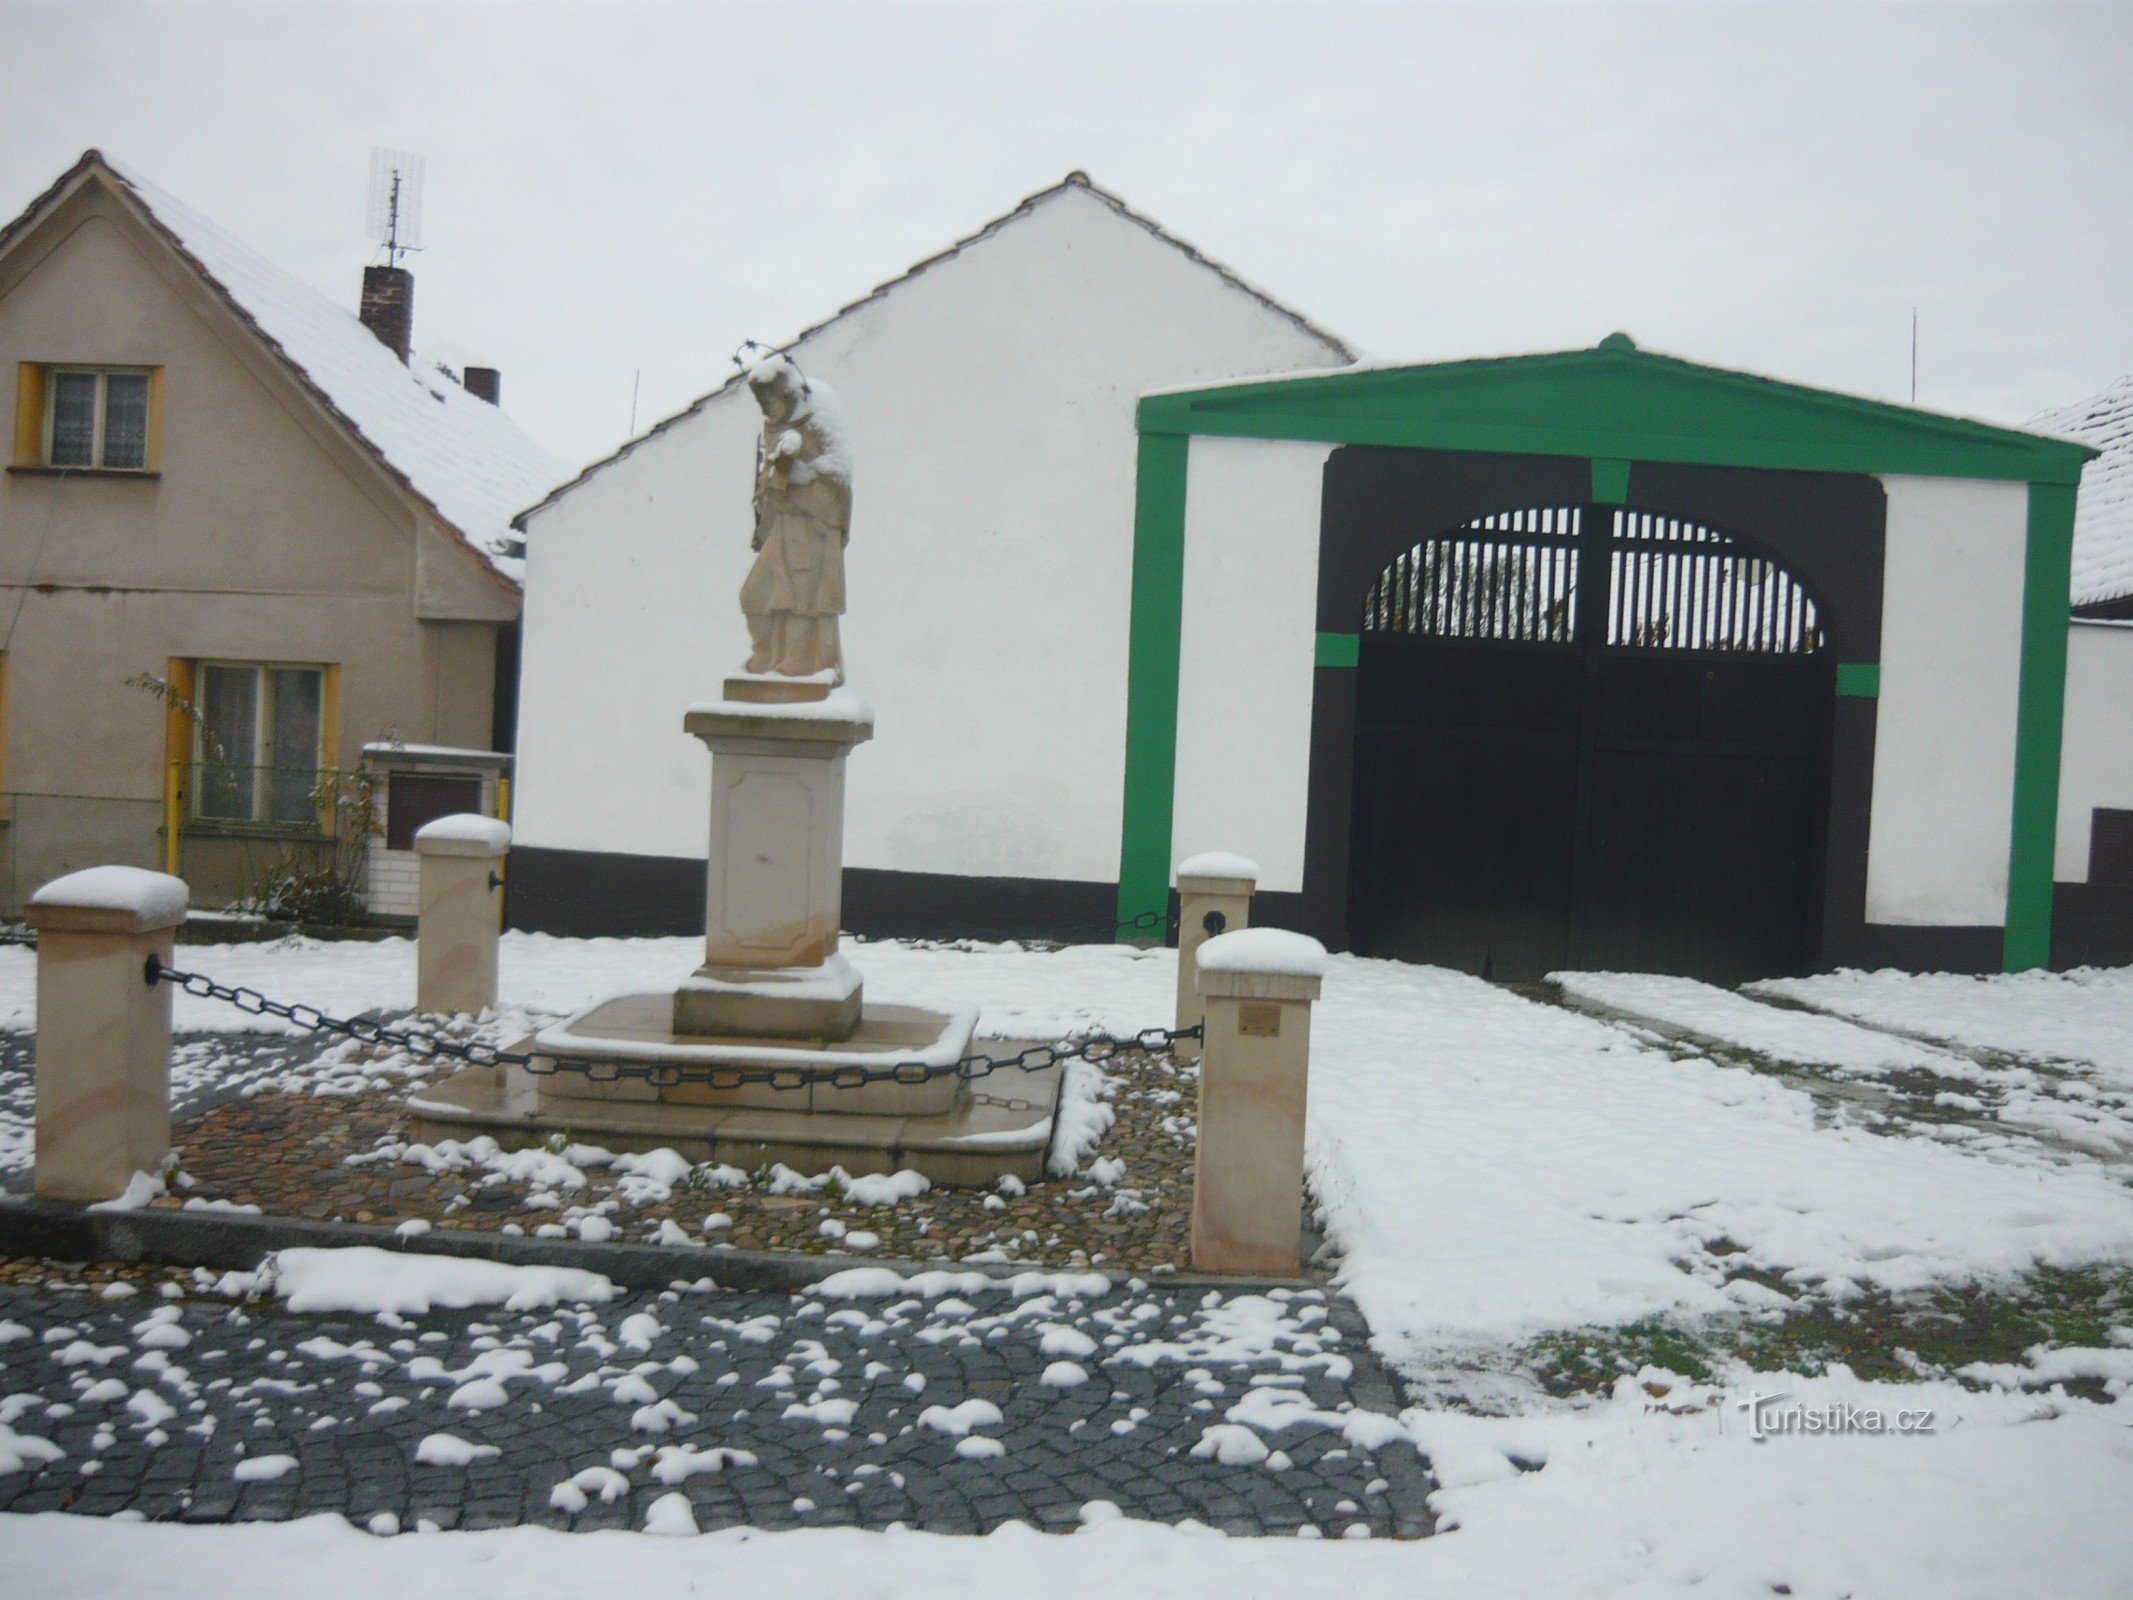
[(1890, 1338), (1590, 1361)]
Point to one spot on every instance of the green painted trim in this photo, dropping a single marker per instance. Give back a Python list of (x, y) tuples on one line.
[(1859, 680), (1152, 676), (1613, 404), (1610, 482), (2039, 723), (1337, 650)]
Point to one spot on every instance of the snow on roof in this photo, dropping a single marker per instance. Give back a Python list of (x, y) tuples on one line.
[(1071, 183), (2103, 516), (459, 453)]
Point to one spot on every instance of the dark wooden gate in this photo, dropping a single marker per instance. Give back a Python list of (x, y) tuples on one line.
[(1589, 737)]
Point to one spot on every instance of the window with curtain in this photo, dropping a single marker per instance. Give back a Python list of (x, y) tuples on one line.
[(96, 417), (257, 746)]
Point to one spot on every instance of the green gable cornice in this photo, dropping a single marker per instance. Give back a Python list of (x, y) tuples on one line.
[(1614, 403)]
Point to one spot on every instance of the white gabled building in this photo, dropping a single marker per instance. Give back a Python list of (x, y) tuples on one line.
[(990, 392), (2095, 853)]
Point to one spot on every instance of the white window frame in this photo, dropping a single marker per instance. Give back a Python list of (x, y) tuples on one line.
[(52, 375), (262, 763)]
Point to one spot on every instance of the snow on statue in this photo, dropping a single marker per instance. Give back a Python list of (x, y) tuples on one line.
[(794, 593)]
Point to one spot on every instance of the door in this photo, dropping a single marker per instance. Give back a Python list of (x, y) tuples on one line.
[(1589, 737)]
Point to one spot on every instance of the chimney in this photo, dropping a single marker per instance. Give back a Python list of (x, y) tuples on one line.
[(389, 306), (485, 383)]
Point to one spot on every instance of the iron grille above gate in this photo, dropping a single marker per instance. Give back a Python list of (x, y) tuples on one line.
[(1670, 584), (1677, 585), (1512, 576)]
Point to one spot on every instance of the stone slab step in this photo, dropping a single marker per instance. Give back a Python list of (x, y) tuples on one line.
[(997, 1127)]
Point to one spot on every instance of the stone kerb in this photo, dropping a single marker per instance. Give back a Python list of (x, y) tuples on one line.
[(103, 1028), (1258, 986), (1214, 897), (461, 912)]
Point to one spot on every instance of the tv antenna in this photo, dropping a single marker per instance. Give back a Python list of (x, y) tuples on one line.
[(394, 218)]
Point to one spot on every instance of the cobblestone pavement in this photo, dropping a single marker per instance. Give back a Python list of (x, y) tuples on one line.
[(206, 1070), (952, 1411)]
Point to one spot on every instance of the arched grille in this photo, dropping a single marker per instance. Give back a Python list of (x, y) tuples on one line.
[(1514, 576), (1511, 576)]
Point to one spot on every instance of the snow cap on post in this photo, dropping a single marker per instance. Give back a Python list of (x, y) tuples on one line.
[(110, 900), (463, 834), (1215, 871), (1262, 964)]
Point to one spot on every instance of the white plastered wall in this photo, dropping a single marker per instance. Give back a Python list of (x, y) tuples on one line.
[(1944, 741), (990, 401), (1247, 643), (2096, 764)]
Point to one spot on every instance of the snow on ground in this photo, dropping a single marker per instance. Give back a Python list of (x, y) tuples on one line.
[(365, 1279), (1798, 1037), (1490, 1168), (2084, 1017), (1494, 1168), (1653, 1496), (1020, 993), (2067, 1101)]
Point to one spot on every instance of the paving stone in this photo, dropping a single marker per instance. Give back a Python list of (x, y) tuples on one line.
[(246, 1365)]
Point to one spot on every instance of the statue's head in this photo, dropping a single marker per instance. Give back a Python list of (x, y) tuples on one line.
[(777, 386)]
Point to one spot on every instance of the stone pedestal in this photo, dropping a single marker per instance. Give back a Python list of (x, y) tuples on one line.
[(1247, 1198), (462, 913), (103, 1030), (775, 882), (1214, 897)]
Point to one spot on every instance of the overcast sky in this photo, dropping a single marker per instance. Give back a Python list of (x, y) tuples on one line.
[(616, 187)]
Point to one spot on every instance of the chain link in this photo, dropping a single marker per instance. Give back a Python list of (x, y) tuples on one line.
[(1095, 1048)]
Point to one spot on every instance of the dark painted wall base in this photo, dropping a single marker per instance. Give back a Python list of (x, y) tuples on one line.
[(2092, 925), (597, 893), (940, 905), (1914, 949), (591, 893)]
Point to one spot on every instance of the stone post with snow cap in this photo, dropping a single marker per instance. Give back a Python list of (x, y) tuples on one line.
[(103, 1028), (1214, 897), (461, 912), (1247, 1194)]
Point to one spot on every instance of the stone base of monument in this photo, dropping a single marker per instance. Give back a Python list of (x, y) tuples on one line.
[(773, 993), (818, 1002), (633, 1029), (958, 1134)]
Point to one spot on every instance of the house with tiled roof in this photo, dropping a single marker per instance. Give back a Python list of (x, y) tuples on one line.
[(2095, 846), (245, 534), (2103, 520)]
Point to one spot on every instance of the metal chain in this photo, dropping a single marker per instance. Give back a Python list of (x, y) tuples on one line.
[(419, 1042)]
